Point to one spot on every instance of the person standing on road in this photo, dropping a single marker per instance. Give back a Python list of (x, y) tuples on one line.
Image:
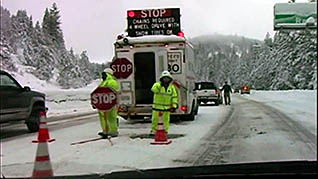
[(227, 90), (109, 81), (165, 101)]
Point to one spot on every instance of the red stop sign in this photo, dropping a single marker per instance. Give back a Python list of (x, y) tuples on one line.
[(122, 68), (104, 98)]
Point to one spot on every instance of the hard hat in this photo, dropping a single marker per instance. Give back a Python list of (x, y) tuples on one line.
[(109, 70), (166, 74)]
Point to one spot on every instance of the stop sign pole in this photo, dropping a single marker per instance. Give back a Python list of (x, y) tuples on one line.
[(104, 99)]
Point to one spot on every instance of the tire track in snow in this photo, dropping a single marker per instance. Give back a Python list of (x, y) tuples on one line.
[(294, 127), (228, 138)]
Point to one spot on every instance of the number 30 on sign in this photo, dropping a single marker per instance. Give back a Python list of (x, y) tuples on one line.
[(174, 62)]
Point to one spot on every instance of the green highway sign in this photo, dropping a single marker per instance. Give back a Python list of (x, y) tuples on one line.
[(295, 16)]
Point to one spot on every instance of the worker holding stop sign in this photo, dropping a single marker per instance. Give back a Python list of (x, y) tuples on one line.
[(104, 98)]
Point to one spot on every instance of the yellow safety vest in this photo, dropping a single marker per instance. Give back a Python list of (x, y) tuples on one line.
[(164, 99), (110, 82)]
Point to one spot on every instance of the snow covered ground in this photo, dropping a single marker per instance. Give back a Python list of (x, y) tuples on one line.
[(18, 155), (300, 105), (59, 101), (100, 156), (62, 102)]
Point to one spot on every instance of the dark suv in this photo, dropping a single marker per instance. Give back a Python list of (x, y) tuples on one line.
[(17, 103)]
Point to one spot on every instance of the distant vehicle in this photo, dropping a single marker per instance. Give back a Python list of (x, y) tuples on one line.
[(236, 90), (245, 90), (19, 103), (208, 92)]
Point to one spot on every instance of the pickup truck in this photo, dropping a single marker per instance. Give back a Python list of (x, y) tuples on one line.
[(20, 103)]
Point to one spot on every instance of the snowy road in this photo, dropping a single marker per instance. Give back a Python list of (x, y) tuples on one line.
[(253, 132), (17, 129), (246, 131)]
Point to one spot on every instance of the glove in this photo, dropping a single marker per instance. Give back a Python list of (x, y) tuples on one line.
[(172, 109)]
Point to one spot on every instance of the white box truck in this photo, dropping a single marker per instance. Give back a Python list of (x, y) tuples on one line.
[(145, 58)]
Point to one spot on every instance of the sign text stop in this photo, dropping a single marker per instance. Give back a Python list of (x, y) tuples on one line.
[(122, 68), (104, 98)]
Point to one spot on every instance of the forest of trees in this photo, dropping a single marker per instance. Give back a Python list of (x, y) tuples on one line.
[(42, 48), (286, 61)]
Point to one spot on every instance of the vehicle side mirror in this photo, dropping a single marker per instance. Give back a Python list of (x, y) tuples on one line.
[(26, 88)]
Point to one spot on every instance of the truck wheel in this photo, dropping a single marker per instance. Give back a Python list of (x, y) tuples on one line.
[(216, 103), (191, 116), (196, 109), (33, 123)]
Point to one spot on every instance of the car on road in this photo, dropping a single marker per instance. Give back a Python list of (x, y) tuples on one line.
[(208, 92), (245, 89), (236, 90), (20, 103)]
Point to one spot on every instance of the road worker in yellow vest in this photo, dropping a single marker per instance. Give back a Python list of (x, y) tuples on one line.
[(112, 120), (165, 100)]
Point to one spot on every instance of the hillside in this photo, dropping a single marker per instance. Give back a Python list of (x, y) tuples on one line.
[(287, 61), (41, 50)]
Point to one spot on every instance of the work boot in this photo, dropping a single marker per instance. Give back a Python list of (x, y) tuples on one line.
[(103, 135), (113, 134)]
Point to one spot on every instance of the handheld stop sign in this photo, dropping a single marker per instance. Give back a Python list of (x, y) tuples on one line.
[(104, 98)]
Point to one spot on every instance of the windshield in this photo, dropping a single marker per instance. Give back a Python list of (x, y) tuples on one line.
[(106, 110), (201, 86)]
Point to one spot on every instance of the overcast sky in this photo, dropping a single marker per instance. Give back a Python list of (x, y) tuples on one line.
[(93, 25)]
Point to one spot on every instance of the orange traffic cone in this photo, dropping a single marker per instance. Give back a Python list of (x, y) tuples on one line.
[(161, 135), (42, 164), (43, 134)]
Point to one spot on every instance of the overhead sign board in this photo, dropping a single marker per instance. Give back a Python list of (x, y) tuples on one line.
[(153, 22), (295, 16)]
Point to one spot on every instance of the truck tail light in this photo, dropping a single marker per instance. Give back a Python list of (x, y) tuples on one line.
[(122, 109), (216, 91), (184, 108)]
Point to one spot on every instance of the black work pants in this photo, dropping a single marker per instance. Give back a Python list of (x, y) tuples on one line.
[(227, 98)]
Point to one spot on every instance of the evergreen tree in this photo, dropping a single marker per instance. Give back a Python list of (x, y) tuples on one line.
[(268, 40), (51, 25)]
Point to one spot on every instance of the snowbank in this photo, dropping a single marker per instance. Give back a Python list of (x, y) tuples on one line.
[(59, 101), (300, 105)]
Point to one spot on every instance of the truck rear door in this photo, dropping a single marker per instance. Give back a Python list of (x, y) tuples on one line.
[(145, 77)]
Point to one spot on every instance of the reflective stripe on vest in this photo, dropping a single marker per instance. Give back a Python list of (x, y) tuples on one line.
[(163, 94)]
